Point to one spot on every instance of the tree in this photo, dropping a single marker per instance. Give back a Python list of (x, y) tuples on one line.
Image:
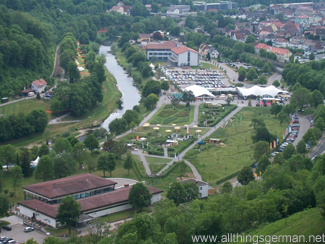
[(151, 101), (108, 145), (275, 109), (312, 56), (117, 126), (119, 148), (7, 154), (188, 97), (25, 163), (319, 123), (4, 206), (276, 83), (61, 145), (317, 98), (33, 152), (38, 97), (279, 159), (250, 39), (289, 151), (131, 115), (152, 86), (64, 165), (175, 101), (257, 122), (262, 134), (208, 56), (229, 100), (283, 117), (68, 211), (128, 163), (192, 191), (227, 187), (73, 71), (246, 175), (129, 69), (251, 74), (17, 177), (320, 199), (262, 80), (139, 196), (73, 140), (263, 163), (301, 147), (177, 193), (79, 153), (43, 150), (44, 169), (310, 137), (106, 162), (261, 148), (165, 85), (91, 142), (300, 97)]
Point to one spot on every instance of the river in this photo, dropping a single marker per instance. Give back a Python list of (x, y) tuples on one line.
[(130, 94)]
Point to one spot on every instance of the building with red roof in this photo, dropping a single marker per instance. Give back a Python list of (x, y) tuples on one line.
[(97, 197), (260, 46), (174, 52), (38, 85), (281, 53)]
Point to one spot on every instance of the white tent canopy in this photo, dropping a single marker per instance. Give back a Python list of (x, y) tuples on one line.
[(35, 162), (200, 92), (259, 91)]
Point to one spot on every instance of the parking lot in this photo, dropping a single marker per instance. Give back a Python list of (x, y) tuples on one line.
[(207, 78), (17, 233)]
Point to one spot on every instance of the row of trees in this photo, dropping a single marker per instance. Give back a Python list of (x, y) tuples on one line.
[(18, 125)]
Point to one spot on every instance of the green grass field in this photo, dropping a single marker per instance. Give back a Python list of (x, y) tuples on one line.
[(124, 214), (307, 223), (156, 164), (62, 231), (205, 65), (212, 114), (167, 115), (216, 162), (25, 106)]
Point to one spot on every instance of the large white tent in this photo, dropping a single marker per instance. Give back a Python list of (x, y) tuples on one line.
[(200, 92), (270, 91)]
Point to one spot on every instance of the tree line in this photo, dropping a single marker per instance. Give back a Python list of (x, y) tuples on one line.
[(18, 125)]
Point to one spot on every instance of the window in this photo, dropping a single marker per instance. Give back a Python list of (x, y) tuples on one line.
[(200, 187), (87, 194), (82, 195)]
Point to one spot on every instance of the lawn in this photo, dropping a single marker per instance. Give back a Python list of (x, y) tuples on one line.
[(205, 65), (307, 223), (119, 172), (157, 164), (168, 115), (25, 106), (211, 114), (216, 162), (163, 183), (123, 214), (62, 231), (156, 138), (3, 223)]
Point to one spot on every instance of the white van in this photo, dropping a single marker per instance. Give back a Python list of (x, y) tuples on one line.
[(30, 94)]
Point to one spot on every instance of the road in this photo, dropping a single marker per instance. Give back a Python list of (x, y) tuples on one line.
[(276, 76), (304, 126)]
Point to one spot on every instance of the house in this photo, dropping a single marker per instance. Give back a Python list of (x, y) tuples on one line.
[(127, 9), (214, 53), (240, 37), (181, 37), (38, 85), (144, 37), (203, 186), (161, 50), (302, 19), (97, 197), (263, 34), (304, 11), (260, 46), (181, 8), (118, 9), (203, 49), (281, 53), (183, 56), (280, 42)]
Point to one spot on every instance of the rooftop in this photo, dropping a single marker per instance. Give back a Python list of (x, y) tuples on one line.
[(165, 45), (179, 50), (87, 203), (280, 51), (69, 185), (40, 82)]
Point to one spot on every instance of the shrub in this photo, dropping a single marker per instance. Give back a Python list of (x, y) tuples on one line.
[(183, 113), (169, 120), (168, 106), (183, 119), (166, 113)]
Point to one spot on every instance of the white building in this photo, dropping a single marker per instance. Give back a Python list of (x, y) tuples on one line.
[(38, 85), (203, 186), (174, 52), (97, 197)]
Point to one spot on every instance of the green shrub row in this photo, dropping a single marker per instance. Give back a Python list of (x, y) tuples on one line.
[(169, 120), (168, 106), (166, 113), (225, 115), (183, 113), (182, 120)]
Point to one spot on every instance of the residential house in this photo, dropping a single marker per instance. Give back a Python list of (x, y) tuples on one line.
[(270, 37), (148, 6), (38, 85), (260, 46), (144, 37), (302, 19), (127, 9), (281, 53), (203, 49), (238, 36), (263, 34), (213, 52), (203, 186), (320, 32), (304, 11), (181, 8), (280, 42), (118, 9)]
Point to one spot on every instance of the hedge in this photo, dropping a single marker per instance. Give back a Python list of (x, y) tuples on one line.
[(228, 177)]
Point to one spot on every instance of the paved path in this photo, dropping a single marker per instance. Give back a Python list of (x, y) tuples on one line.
[(275, 76), (58, 119), (304, 126), (201, 138), (165, 152), (18, 100), (144, 161), (196, 114)]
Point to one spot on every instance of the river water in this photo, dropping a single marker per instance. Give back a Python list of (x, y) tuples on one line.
[(130, 94)]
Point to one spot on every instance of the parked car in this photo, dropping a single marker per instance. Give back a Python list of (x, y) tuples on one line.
[(6, 227), (295, 121), (28, 229), (295, 125), (295, 128)]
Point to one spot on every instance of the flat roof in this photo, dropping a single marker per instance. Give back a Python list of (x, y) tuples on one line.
[(69, 185), (87, 203)]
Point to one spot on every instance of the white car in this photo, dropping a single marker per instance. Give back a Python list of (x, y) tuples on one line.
[(28, 229)]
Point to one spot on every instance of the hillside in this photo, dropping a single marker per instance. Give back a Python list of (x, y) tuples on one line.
[(307, 223)]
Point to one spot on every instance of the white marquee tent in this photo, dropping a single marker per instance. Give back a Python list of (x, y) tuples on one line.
[(200, 92), (270, 91)]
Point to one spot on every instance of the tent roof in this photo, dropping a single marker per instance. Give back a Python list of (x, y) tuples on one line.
[(199, 91), (259, 91)]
